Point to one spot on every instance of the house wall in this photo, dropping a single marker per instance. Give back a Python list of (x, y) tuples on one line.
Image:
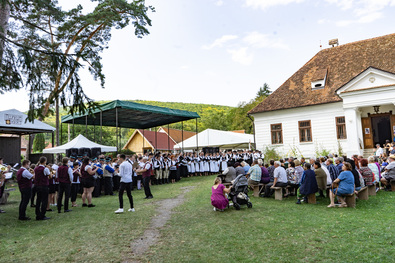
[(136, 144), (323, 127)]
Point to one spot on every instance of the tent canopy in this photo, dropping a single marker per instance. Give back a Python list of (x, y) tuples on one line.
[(79, 142), (14, 122), (217, 138), (127, 114)]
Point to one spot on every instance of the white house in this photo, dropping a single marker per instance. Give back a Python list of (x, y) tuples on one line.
[(342, 97)]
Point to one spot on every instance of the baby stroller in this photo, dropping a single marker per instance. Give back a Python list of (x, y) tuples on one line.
[(238, 195)]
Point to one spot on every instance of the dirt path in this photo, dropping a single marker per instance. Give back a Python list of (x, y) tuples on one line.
[(164, 211)]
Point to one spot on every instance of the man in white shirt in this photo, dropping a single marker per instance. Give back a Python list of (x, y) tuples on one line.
[(280, 179), (24, 178), (379, 150), (126, 173)]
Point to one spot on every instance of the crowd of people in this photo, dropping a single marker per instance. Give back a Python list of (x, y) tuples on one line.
[(45, 185), (301, 178)]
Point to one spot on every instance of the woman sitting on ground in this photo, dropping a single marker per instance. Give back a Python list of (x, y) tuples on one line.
[(308, 183), (366, 173), (345, 186), (218, 198)]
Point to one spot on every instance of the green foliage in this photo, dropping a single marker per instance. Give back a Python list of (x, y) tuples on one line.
[(46, 45), (126, 152), (263, 91), (271, 153), (39, 143), (321, 151), (339, 149)]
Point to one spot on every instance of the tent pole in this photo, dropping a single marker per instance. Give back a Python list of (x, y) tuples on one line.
[(73, 127), (143, 141), (53, 140), (116, 124), (197, 139), (156, 140), (101, 126), (168, 137), (182, 135), (86, 125), (94, 132)]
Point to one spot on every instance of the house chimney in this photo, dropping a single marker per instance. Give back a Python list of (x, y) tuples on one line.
[(334, 42)]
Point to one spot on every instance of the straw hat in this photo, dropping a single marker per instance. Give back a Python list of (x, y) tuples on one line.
[(392, 157)]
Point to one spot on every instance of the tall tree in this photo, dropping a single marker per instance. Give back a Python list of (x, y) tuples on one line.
[(39, 143), (46, 45), (263, 91)]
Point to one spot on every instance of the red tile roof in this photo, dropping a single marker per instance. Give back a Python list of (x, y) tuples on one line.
[(341, 64), (163, 140)]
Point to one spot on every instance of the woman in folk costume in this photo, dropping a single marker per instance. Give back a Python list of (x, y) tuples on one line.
[(192, 161), (224, 162), (211, 164), (197, 164), (207, 164), (201, 167), (188, 159)]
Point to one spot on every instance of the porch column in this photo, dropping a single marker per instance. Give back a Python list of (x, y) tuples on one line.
[(354, 143)]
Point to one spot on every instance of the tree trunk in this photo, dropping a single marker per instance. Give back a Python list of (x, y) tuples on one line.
[(4, 16)]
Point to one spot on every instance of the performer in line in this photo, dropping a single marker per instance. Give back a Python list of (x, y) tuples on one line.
[(108, 173), (41, 182), (146, 173), (126, 173), (87, 182), (75, 184), (64, 175), (24, 178)]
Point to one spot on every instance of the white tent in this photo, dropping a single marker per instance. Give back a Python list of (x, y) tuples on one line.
[(217, 138), (14, 122), (80, 142)]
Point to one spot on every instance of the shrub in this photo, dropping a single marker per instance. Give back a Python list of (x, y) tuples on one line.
[(270, 153)]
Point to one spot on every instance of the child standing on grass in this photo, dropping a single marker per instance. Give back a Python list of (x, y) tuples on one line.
[(218, 198)]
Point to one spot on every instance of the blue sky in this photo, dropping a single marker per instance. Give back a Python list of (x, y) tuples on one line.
[(222, 51)]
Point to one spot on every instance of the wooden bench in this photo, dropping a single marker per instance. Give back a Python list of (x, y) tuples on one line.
[(278, 192), (350, 200), (257, 189), (311, 199), (393, 185), (363, 194), (372, 189)]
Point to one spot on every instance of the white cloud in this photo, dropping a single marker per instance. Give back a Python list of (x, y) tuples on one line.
[(258, 40), (219, 3), (263, 4), (241, 56), (184, 67), (364, 11), (219, 42)]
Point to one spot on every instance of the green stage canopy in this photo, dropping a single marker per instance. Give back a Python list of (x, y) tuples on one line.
[(127, 114)]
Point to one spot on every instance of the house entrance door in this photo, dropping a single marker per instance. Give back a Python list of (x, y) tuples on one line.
[(381, 128)]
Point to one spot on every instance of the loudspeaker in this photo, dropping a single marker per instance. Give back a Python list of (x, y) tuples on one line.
[(84, 151), (73, 152), (95, 152), (68, 152)]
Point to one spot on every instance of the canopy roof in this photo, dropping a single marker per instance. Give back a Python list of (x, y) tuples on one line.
[(217, 138), (79, 142), (131, 115), (14, 122)]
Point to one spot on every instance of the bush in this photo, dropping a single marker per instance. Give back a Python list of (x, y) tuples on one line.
[(270, 153), (39, 143)]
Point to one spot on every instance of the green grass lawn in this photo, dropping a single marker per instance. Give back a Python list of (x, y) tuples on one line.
[(272, 231)]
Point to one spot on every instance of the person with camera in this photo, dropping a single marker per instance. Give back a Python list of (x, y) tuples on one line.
[(24, 178)]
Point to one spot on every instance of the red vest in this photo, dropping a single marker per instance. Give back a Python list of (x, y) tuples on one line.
[(40, 179), (148, 172), (22, 181), (84, 174), (63, 174)]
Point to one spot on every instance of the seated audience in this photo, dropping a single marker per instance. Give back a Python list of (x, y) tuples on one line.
[(308, 183), (280, 179), (389, 173), (365, 171), (345, 186), (265, 177), (254, 174), (229, 173)]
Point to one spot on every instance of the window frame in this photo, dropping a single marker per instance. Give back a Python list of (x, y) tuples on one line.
[(303, 130), (276, 132), (344, 129)]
